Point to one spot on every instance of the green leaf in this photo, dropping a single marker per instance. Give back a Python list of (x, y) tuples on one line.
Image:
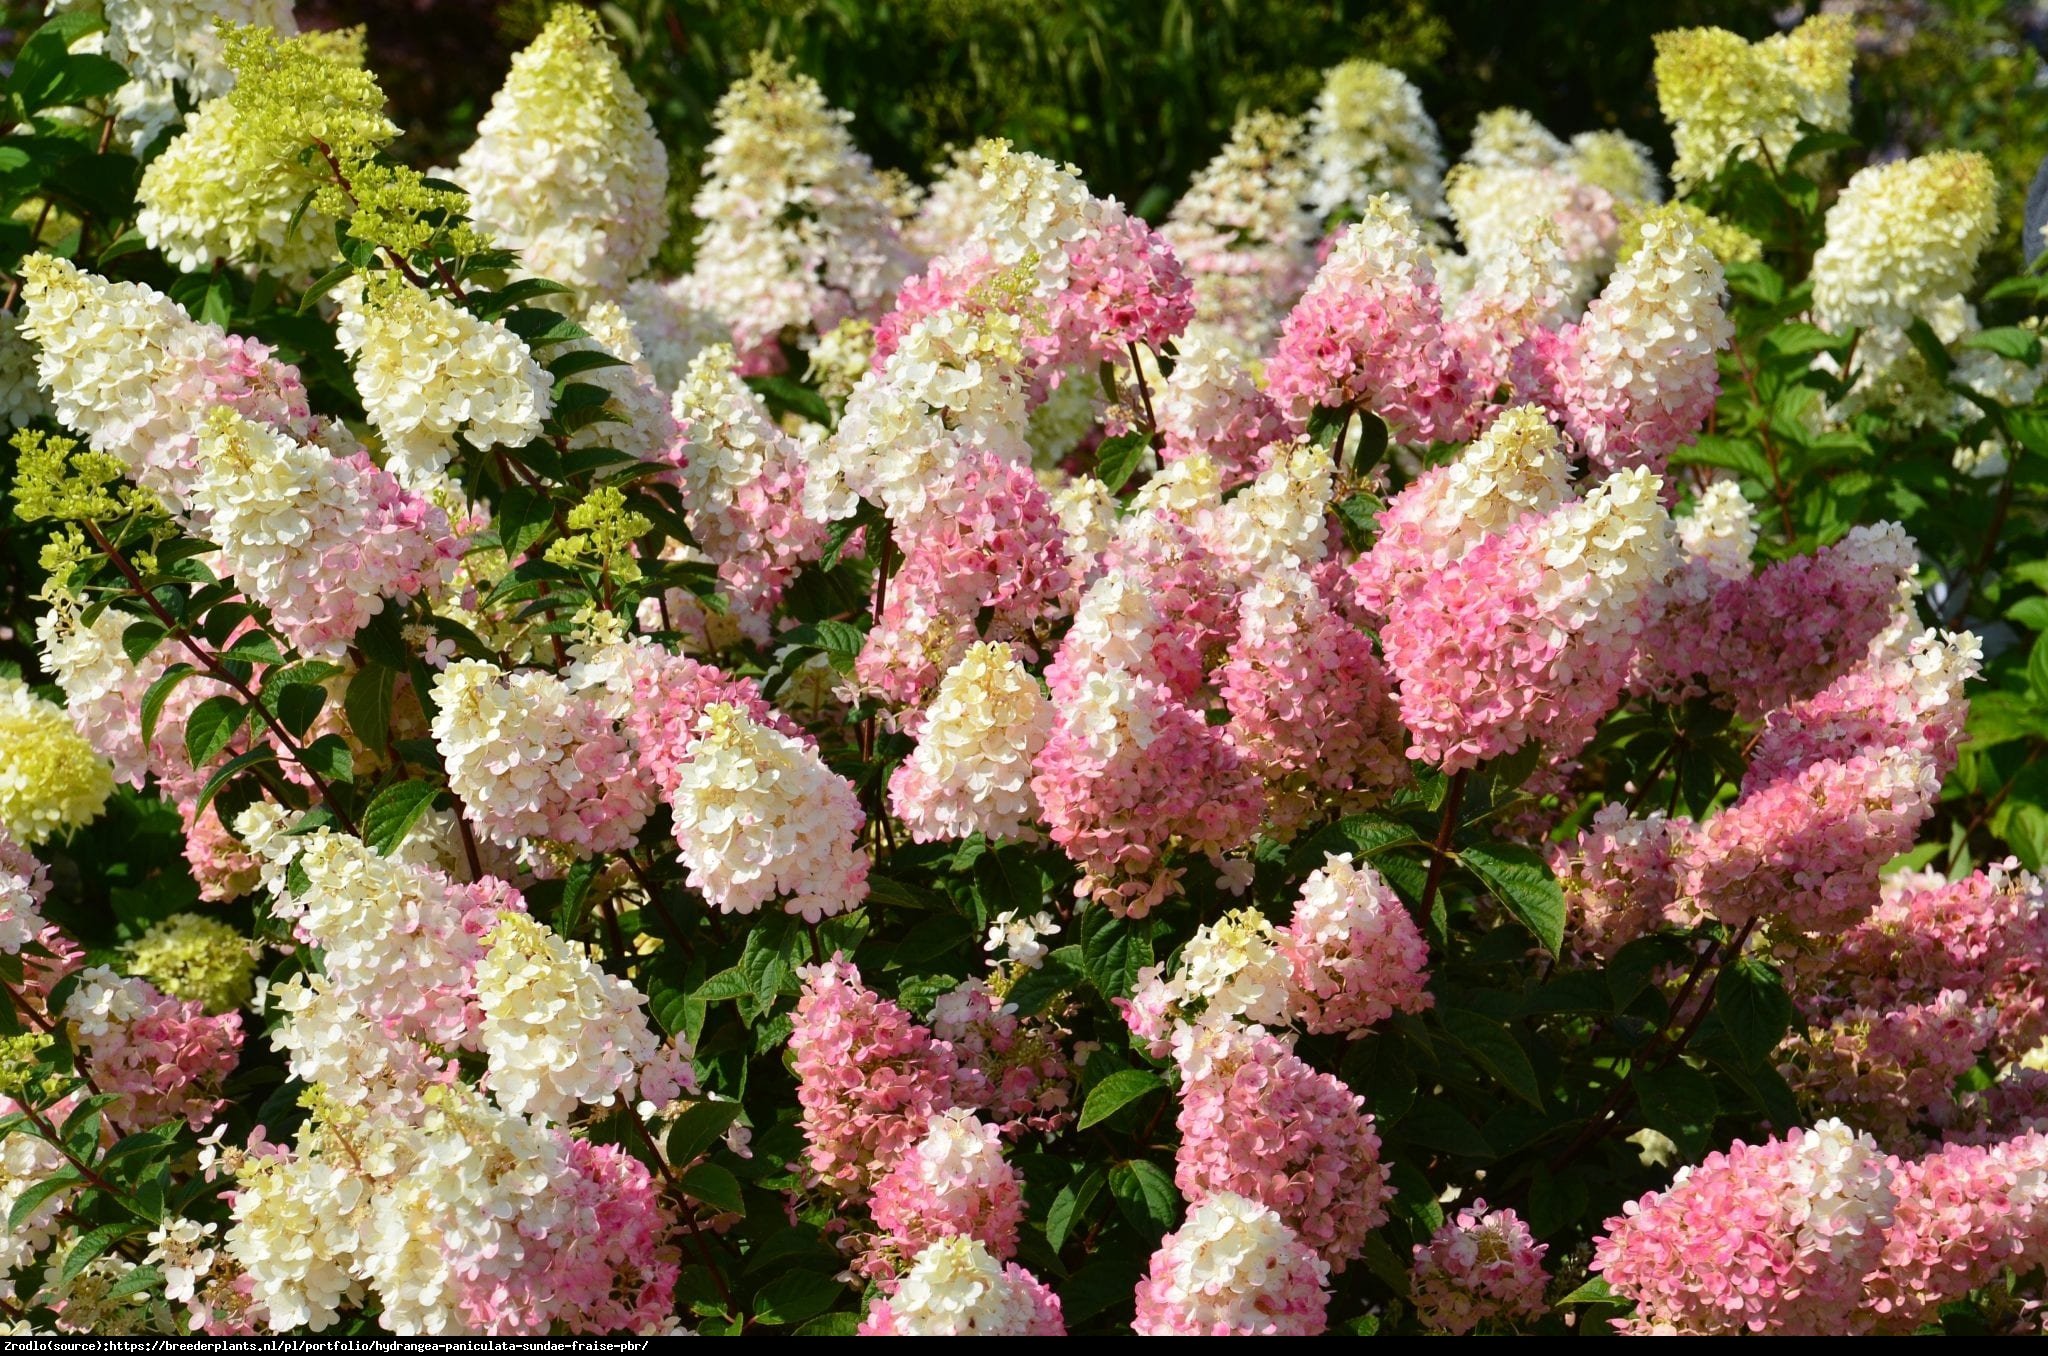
[(713, 1185), (1070, 1207), (2037, 669), (1493, 1048), (133, 1282), (1116, 1092), (579, 361), (698, 1128), (795, 1296), (1119, 457), (1145, 1193), (1433, 1125), (1931, 348), (331, 758), (1678, 1100), (367, 704), (91, 1246), (227, 771), (142, 636), (393, 812), (34, 1195), (845, 1323), (1796, 338), (296, 706), (1522, 881), (160, 692), (2007, 341), (1595, 1291), (1114, 950), (211, 727), (1751, 1001)]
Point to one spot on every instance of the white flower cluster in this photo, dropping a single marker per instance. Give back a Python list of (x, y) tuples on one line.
[(1728, 100), (428, 371), (971, 770), (533, 758), (730, 445), (800, 232), (957, 1288), (1231, 971), (954, 385), (1494, 204), (648, 430), (566, 167), (760, 817), (1021, 940), (558, 1031), (1282, 517), (1242, 232), (1603, 555), (21, 395), (1838, 1187), (1720, 533), (168, 44), (215, 193), (1369, 133), (1903, 237), (1018, 208), (1231, 1267)]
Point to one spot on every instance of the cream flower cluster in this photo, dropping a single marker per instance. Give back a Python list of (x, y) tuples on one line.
[(1282, 518), (957, 1288), (800, 232), (1731, 100), (1233, 1269), (558, 1032), (1242, 232), (51, 781), (971, 770), (760, 817), (429, 371), (533, 758), (215, 193), (566, 167), (169, 44), (1369, 133), (1901, 237)]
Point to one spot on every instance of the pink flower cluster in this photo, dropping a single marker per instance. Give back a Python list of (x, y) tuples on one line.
[(1259, 1122), (869, 1079), (1819, 1233), (954, 1181), (1012, 1068), (1125, 287), (1353, 952), (1481, 1266), (1620, 879), (988, 560), (162, 1058)]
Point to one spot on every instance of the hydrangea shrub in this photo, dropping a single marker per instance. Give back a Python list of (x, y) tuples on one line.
[(1421, 748)]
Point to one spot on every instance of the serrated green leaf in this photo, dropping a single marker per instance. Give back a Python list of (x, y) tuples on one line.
[(713, 1185), (393, 812), (1118, 458), (795, 1296), (1071, 1205), (698, 1128), (33, 1195), (1522, 881), (211, 727), (1114, 950), (1145, 1194), (1751, 1001), (160, 692), (1116, 1092), (1494, 1049)]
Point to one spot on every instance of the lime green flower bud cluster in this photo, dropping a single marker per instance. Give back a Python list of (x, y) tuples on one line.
[(197, 958)]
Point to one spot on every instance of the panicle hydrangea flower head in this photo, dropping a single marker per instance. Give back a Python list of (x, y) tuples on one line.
[(1311, 709), (24, 885), (800, 232), (760, 817), (1516, 467), (1242, 232), (1506, 320), (1966, 1215), (646, 430), (1726, 241), (743, 482), (1619, 879), (987, 559), (1354, 955), (1131, 771), (127, 367), (1367, 336), (1210, 404), (323, 542), (196, 957), (954, 1182), (1368, 134), (1258, 1121), (1637, 376), (1768, 1238), (1529, 634), (1513, 138), (1618, 163), (566, 167), (1281, 520), (1233, 1269), (1494, 204), (669, 328), (558, 1031), (957, 1288), (216, 193), (161, 1057), (1730, 100), (430, 372), (971, 770), (51, 780), (165, 44), (532, 758), (868, 1078), (1902, 236), (1481, 1266)]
